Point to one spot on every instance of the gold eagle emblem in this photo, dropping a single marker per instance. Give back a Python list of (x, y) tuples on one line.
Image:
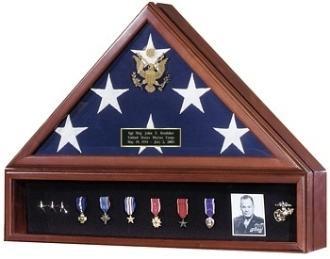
[(148, 75)]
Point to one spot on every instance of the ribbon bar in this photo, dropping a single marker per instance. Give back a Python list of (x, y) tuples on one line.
[(129, 205), (209, 206), (182, 207), (81, 203), (155, 206), (104, 203)]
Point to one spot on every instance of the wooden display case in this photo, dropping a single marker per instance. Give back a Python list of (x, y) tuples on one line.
[(285, 170)]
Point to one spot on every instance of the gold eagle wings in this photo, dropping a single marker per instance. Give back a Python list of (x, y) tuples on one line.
[(154, 70)]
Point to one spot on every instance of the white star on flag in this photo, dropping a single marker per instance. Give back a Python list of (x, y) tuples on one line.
[(232, 135), (191, 95), (109, 95), (150, 54), (150, 125), (69, 134)]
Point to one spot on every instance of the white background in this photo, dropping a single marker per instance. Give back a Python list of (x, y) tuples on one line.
[(281, 49)]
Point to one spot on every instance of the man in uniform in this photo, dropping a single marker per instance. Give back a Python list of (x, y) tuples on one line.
[(248, 223)]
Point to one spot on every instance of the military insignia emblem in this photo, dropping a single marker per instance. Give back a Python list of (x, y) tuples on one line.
[(285, 210), (150, 68)]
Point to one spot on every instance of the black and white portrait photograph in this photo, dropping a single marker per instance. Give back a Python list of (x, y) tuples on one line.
[(248, 214)]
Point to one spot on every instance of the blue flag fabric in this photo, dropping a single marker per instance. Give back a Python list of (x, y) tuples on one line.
[(208, 126)]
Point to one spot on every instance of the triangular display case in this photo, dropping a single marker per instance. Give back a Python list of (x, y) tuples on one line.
[(162, 128)]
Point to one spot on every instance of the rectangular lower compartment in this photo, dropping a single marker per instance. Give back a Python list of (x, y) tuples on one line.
[(54, 222)]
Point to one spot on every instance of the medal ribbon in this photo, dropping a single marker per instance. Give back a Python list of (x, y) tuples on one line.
[(104, 203), (81, 203), (182, 207), (155, 206), (209, 206), (129, 205)]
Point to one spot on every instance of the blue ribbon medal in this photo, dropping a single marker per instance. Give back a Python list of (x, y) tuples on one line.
[(129, 203), (209, 209), (81, 205), (105, 206)]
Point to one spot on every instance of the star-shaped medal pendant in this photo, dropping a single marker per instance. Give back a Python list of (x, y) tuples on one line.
[(130, 219), (183, 224)]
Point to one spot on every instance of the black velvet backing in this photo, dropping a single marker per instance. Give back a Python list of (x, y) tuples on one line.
[(50, 222)]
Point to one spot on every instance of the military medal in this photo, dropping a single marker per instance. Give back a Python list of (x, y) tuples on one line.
[(130, 205), (81, 204), (209, 209), (182, 208), (155, 209), (105, 206)]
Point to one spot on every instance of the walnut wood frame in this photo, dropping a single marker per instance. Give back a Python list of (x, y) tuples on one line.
[(290, 161)]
